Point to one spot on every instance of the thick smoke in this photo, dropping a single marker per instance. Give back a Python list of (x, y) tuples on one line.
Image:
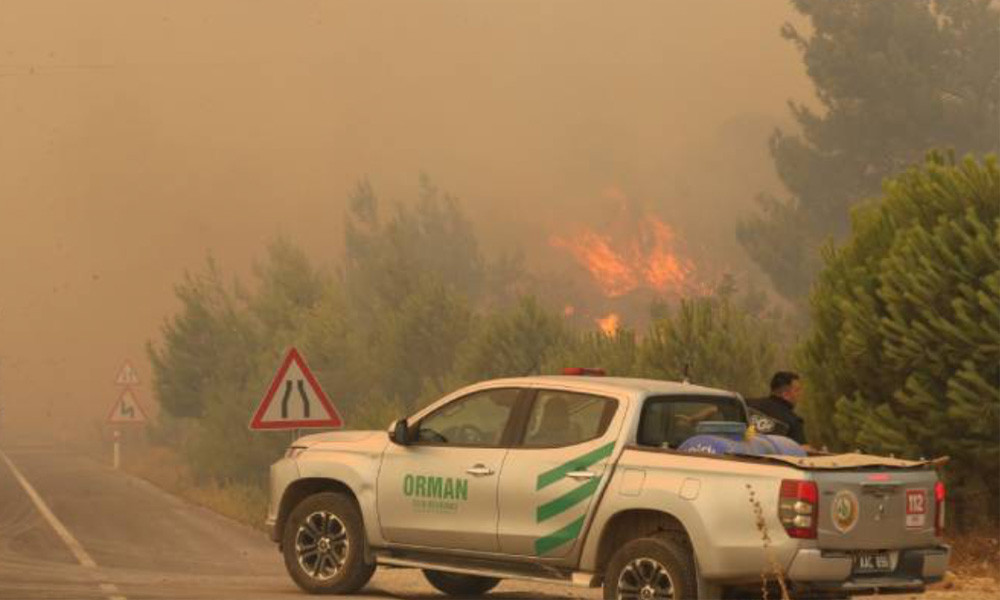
[(138, 137)]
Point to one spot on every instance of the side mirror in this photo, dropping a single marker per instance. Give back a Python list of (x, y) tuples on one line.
[(400, 433)]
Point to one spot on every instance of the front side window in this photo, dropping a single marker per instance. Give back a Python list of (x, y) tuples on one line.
[(478, 419), (565, 418), (667, 421)]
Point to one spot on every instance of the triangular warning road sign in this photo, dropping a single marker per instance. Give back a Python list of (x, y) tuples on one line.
[(295, 400), (126, 410), (127, 375)]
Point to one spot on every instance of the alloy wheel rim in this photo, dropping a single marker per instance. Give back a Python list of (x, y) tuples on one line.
[(321, 545), (645, 579)]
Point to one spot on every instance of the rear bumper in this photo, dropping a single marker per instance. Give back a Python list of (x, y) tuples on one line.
[(814, 569)]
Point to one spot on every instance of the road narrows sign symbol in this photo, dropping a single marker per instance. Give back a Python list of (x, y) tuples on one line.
[(127, 409), (295, 400), (127, 375)]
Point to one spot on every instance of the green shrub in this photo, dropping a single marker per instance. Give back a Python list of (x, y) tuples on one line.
[(904, 354)]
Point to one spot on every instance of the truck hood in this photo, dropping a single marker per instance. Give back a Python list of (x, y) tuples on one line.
[(335, 437)]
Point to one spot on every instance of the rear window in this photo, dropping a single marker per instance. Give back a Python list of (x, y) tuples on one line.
[(667, 421)]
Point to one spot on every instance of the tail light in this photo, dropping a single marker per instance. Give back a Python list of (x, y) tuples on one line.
[(798, 508), (939, 509)]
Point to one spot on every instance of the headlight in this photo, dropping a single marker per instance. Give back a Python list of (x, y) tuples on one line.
[(294, 451)]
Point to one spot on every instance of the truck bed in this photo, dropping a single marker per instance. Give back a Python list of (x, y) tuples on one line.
[(866, 502)]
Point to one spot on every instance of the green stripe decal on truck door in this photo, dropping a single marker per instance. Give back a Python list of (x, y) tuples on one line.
[(554, 540), (581, 462), (567, 500)]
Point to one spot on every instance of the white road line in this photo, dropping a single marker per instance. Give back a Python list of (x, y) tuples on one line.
[(60, 529)]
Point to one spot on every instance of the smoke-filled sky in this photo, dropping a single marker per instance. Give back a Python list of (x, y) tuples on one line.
[(137, 136)]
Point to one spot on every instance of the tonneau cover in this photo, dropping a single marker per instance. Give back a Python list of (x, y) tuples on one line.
[(818, 462), (852, 461)]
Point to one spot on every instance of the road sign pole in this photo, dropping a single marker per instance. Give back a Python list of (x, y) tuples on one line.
[(116, 458)]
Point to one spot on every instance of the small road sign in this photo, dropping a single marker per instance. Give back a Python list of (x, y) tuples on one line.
[(126, 410), (295, 400), (127, 375)]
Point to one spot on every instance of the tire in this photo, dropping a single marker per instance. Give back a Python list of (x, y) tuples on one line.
[(336, 566), (457, 584), (657, 568)]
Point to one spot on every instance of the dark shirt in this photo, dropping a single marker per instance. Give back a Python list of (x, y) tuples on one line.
[(782, 410)]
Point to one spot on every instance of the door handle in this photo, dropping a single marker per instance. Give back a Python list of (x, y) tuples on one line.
[(479, 470), (581, 475)]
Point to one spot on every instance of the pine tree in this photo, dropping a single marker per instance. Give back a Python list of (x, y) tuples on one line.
[(513, 343), (209, 335), (904, 355), (219, 353), (388, 257), (614, 354), (894, 78), (711, 341)]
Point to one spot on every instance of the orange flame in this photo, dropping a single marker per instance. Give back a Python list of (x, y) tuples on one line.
[(664, 269), (609, 324), (643, 255), (595, 253)]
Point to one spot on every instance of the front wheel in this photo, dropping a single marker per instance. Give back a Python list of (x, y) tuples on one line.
[(323, 545), (457, 584), (650, 569)]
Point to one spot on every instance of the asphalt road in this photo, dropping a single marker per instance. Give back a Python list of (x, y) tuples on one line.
[(94, 533)]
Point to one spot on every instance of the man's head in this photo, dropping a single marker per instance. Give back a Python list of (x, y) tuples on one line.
[(786, 384)]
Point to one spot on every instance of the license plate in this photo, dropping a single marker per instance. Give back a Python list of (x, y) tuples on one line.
[(872, 562)]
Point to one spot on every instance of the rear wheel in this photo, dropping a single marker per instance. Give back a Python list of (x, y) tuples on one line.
[(323, 545), (651, 569), (457, 584)]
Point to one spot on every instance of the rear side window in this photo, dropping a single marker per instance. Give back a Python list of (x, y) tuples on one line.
[(667, 421), (564, 418)]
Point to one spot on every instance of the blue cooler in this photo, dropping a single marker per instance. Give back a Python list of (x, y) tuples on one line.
[(725, 437)]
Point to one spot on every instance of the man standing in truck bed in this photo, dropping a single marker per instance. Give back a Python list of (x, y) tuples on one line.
[(786, 389)]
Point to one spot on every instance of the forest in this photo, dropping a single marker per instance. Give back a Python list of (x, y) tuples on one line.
[(881, 270)]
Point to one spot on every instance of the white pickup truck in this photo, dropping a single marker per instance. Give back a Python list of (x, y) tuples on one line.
[(579, 480)]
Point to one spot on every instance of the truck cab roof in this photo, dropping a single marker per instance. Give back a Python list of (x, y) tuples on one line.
[(633, 385)]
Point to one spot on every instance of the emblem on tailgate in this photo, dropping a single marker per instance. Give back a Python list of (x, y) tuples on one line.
[(845, 511)]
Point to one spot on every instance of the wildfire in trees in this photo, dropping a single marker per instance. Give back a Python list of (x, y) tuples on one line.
[(635, 251), (609, 324)]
